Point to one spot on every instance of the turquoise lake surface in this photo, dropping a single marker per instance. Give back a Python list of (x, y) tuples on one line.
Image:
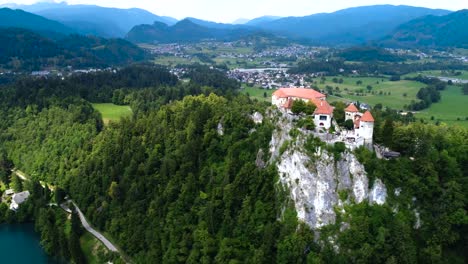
[(20, 244)]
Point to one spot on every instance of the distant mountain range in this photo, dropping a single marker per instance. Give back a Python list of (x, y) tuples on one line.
[(261, 20), (240, 21), (350, 26), (432, 31), (188, 30), (95, 20), (22, 19), (381, 24)]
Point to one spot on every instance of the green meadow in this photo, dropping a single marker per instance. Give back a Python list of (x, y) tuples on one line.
[(257, 93), (452, 108), (390, 94), (112, 112)]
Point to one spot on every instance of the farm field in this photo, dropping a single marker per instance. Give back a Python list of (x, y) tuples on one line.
[(112, 112), (390, 94), (453, 106)]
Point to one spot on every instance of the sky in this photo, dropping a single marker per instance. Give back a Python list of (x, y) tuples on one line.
[(229, 10)]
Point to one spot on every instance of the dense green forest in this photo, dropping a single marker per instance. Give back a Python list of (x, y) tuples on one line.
[(431, 31), (369, 54), (332, 67), (180, 180), (24, 50)]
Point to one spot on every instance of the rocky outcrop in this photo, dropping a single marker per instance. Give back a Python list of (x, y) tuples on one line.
[(320, 184), (257, 118)]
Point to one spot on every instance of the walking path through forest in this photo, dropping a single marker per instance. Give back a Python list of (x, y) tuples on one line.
[(95, 233), (83, 220)]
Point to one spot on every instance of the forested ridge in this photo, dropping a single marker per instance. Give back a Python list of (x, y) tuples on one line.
[(181, 181), (24, 50)]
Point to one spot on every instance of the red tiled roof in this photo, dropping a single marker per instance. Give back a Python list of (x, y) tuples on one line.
[(323, 108), (298, 92), (351, 108), (367, 117)]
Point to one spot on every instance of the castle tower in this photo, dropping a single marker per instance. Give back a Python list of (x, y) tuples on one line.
[(366, 126), (350, 112)]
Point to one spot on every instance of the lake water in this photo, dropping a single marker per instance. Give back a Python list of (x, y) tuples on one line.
[(20, 244)]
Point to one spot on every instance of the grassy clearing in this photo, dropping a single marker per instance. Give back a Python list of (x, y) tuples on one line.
[(112, 112), (257, 93), (390, 94), (92, 248), (453, 106)]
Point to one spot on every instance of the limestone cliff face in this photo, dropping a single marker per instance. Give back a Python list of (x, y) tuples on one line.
[(320, 185)]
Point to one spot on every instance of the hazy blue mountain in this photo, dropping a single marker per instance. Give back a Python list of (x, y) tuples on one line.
[(432, 31), (187, 31), (240, 21), (349, 26), (96, 20), (35, 7), (167, 20), (209, 24), (264, 19), (22, 19)]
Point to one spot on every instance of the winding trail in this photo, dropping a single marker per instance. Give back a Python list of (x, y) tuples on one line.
[(83, 220), (95, 233)]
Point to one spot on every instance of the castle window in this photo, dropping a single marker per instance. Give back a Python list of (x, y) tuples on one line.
[(323, 118)]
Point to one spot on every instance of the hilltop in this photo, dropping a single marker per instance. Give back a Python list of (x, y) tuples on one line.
[(95, 20), (187, 31), (432, 31), (22, 19), (21, 49), (349, 26)]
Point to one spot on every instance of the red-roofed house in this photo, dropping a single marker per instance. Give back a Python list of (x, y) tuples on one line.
[(323, 115), (363, 123)]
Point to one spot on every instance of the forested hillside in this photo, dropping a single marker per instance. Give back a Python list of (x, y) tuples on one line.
[(188, 30), (22, 19), (351, 26), (186, 178), (432, 31), (23, 50)]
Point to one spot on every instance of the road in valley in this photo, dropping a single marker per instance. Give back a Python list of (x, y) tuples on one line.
[(95, 233)]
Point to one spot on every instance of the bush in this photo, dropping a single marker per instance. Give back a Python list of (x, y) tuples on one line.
[(312, 145), (349, 124), (284, 147), (306, 123), (337, 149)]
